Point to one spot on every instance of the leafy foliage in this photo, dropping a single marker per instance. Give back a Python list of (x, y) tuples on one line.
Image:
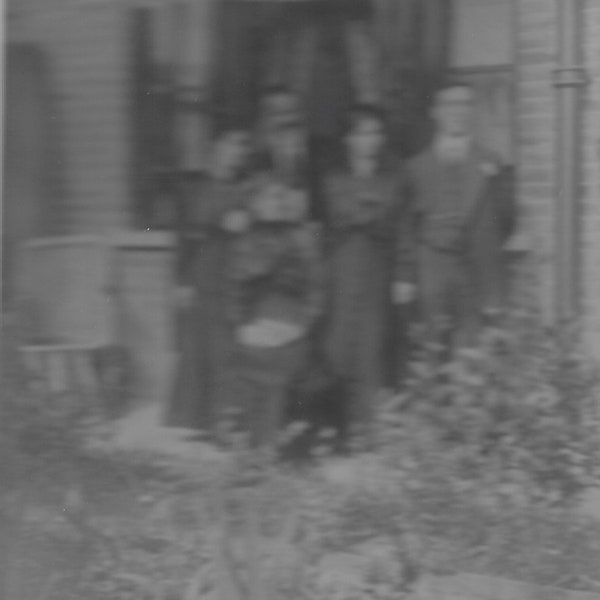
[(479, 458), (519, 415), (477, 465)]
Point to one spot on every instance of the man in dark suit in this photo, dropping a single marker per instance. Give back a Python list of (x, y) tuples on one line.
[(280, 106), (455, 220)]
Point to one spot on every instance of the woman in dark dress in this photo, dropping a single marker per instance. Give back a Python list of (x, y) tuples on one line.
[(217, 216), (361, 206)]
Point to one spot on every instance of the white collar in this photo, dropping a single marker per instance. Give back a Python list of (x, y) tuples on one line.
[(452, 148)]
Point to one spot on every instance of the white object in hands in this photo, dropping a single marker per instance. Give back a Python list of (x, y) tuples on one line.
[(403, 292), (267, 204), (236, 221), (268, 333)]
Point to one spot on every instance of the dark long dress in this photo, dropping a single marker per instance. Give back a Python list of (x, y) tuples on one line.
[(206, 336), (360, 264)]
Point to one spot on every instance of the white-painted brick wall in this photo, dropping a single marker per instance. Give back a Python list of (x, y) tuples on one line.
[(535, 36), (591, 174), (537, 49), (85, 45)]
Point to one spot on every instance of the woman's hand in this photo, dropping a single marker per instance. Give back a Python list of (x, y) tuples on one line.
[(236, 221), (404, 292)]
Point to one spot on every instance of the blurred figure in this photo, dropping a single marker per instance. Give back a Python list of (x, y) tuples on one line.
[(275, 298), (454, 225), (218, 216), (361, 204), (286, 161), (278, 107)]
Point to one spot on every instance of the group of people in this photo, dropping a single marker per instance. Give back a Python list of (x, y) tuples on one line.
[(267, 291)]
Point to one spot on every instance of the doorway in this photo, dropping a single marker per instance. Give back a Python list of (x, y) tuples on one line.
[(298, 45)]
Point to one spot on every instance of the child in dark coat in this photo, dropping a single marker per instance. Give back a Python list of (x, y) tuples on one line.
[(275, 299)]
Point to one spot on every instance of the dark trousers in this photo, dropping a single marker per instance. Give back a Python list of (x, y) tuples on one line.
[(262, 379), (450, 299), (324, 153)]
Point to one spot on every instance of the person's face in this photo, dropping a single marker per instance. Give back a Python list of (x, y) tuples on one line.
[(288, 144), (233, 152), (453, 111), (366, 139), (280, 106)]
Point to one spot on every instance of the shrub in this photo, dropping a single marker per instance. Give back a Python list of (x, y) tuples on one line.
[(504, 433), (517, 415), (475, 465)]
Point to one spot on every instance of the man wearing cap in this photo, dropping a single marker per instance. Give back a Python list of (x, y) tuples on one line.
[(279, 109), (456, 218)]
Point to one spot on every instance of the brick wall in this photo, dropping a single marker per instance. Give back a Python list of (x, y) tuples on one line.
[(591, 174), (536, 48), (535, 42)]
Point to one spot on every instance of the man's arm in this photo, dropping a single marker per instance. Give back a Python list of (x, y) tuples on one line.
[(506, 205), (404, 286), (309, 243), (493, 224)]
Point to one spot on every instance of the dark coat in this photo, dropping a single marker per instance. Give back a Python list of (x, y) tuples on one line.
[(276, 273), (206, 336), (360, 261), (454, 253)]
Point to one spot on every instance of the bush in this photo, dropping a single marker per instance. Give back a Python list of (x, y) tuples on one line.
[(476, 465), (478, 459), (518, 415)]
